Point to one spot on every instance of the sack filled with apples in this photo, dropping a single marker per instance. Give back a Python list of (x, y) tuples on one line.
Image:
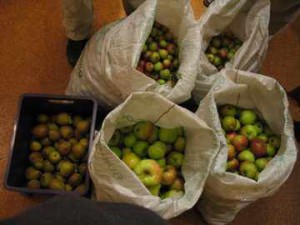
[(153, 49), (154, 153), (233, 34), (250, 115)]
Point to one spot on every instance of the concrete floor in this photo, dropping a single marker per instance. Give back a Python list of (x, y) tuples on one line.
[(32, 60)]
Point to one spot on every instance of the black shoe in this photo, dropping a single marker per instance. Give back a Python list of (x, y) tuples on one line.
[(74, 49)]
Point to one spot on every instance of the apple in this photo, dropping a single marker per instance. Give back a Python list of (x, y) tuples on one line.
[(155, 189), (263, 137), (179, 144), (153, 46), (169, 175), (175, 159), (143, 130), (261, 164), (228, 110), (149, 172), (238, 125), (229, 123), (223, 53), (157, 150), (230, 55), (168, 135), (129, 140), (154, 135), (165, 74), (270, 150), (217, 61), (117, 151), (154, 57), (162, 162), (172, 194), (149, 66), (247, 116), (131, 159), (140, 148), (232, 165), (158, 66), (163, 43), (171, 48), (240, 142), (163, 53), (166, 63), (249, 131), (249, 170), (213, 50), (230, 136), (275, 141), (246, 155), (210, 57), (177, 185), (259, 127), (258, 147), (231, 152), (216, 42), (146, 55)]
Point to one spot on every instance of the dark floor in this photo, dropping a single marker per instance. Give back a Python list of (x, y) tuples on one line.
[(32, 59)]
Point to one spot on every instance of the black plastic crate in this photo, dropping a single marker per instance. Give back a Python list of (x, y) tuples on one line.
[(30, 105)]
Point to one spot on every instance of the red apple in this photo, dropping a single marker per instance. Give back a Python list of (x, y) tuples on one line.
[(240, 142), (169, 175), (231, 152), (258, 147), (232, 165), (230, 136), (178, 184)]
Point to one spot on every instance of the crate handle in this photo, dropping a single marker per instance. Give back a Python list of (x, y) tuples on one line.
[(55, 101)]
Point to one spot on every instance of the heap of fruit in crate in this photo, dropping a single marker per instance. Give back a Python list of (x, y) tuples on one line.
[(58, 152), (154, 154), (159, 58), (222, 49), (251, 142)]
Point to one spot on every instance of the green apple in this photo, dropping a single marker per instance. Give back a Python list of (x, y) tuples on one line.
[(162, 163), (169, 175), (246, 155), (149, 172), (117, 151), (155, 189), (157, 150), (131, 159), (140, 148), (163, 53), (249, 170), (249, 131), (259, 127), (270, 150), (179, 144), (172, 194), (168, 135), (130, 140), (261, 163), (35, 146), (228, 110), (161, 81), (165, 74), (175, 159), (229, 123), (263, 137), (275, 141), (247, 116)]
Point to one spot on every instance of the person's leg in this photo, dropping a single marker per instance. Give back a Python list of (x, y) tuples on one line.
[(77, 20)]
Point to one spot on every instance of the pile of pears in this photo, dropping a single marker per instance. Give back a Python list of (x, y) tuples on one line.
[(155, 154), (222, 49), (159, 57), (58, 152)]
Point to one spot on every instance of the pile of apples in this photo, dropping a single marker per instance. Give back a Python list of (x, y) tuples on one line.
[(154, 154), (159, 58), (222, 49), (251, 142), (58, 152)]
